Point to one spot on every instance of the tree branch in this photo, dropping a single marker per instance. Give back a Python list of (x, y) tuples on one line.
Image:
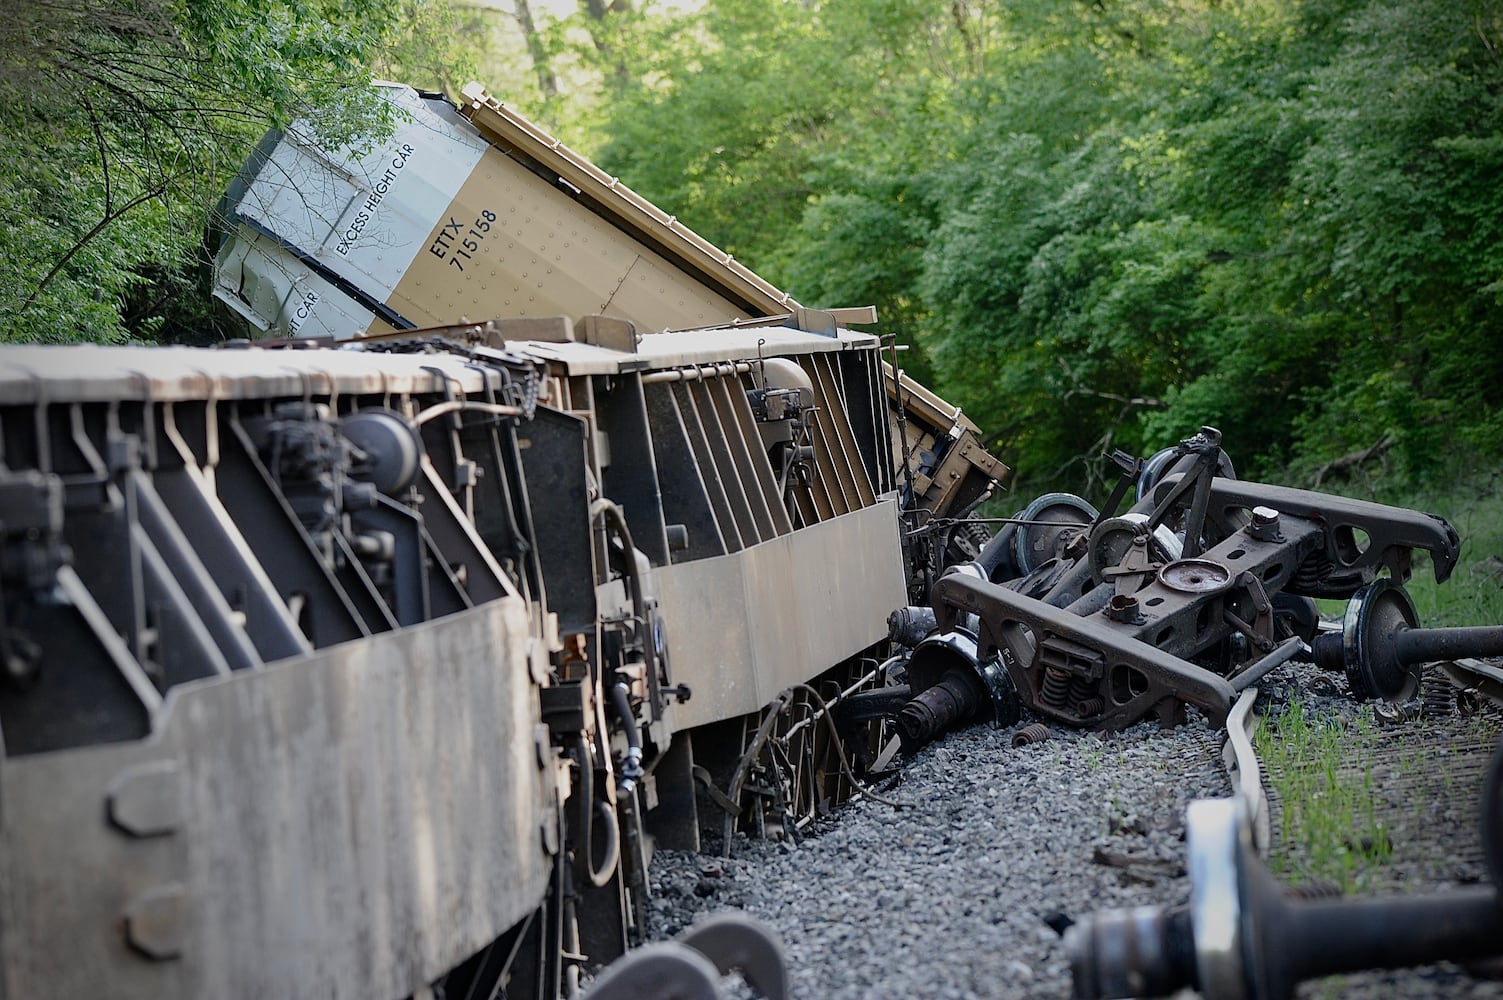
[(83, 241), (104, 156), (1354, 459), (1130, 402)]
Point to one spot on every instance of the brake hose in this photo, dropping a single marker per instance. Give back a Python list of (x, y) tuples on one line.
[(584, 861)]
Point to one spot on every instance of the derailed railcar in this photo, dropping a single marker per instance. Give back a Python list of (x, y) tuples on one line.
[(315, 658), (268, 731), (363, 668)]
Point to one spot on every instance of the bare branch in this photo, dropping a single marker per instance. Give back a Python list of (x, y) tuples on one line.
[(1354, 459), (98, 228), (1079, 388)]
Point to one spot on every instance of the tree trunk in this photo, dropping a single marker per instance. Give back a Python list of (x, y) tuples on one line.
[(547, 81), (613, 62)]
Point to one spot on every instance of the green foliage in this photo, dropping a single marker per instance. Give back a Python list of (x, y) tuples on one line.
[(123, 120), (1094, 225), (435, 45), (787, 134), (1108, 224), (1322, 773)]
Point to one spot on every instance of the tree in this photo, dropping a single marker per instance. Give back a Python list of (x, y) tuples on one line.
[(796, 136), (437, 45), (122, 121), (537, 50), (1400, 221), (1275, 219), (1108, 224)]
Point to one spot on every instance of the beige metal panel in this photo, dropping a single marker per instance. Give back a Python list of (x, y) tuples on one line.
[(652, 226), (727, 465), (324, 827), (735, 413), (85, 373), (829, 477), (579, 359), (687, 347), (835, 601), (741, 289), (513, 245), (682, 348), (744, 626), (823, 494)]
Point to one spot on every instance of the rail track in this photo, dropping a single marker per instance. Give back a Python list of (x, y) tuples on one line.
[(1374, 822), (1419, 772), (962, 894)]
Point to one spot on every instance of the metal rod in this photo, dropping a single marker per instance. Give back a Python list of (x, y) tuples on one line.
[(1425, 645), (1322, 938), (819, 713), (697, 373), (930, 526), (1281, 654), (468, 406)]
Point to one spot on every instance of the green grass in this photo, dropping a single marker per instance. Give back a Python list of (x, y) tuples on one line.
[(1322, 769), (1324, 782), (1474, 593)]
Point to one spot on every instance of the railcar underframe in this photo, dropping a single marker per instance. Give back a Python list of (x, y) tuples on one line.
[(352, 672)]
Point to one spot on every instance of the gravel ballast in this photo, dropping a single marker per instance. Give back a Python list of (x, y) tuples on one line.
[(954, 895), (961, 891)]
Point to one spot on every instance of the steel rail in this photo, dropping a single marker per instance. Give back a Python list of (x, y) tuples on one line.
[(1476, 675), (1244, 768)]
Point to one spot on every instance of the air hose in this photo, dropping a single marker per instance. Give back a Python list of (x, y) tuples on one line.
[(584, 861), (631, 768)]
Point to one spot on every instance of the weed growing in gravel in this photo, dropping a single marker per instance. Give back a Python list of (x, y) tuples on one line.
[(1323, 778)]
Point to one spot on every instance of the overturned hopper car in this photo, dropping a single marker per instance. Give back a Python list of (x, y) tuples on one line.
[(373, 658)]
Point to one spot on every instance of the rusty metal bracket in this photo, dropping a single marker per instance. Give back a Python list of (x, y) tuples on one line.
[(1152, 636), (1360, 537), (1138, 677), (1115, 665)]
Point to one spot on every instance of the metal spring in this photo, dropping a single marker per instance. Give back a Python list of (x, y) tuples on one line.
[(1314, 891), (1081, 688), (1311, 573), (1035, 733), (1440, 695), (1056, 686), (1090, 707)]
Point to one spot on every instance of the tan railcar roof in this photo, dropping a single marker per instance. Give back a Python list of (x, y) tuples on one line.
[(98, 373), (511, 132)]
